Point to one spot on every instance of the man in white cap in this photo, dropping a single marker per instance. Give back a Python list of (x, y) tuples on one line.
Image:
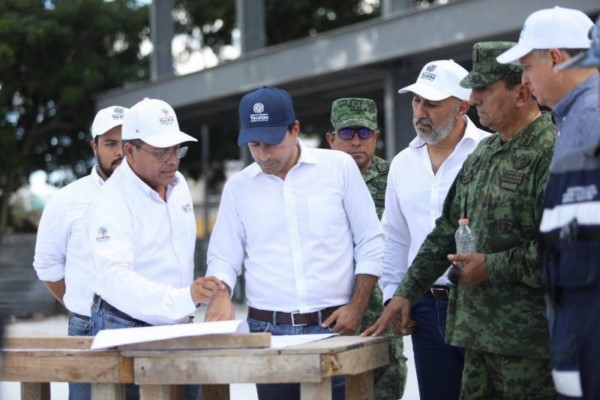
[(62, 254), (551, 37), (419, 179), (570, 244), (143, 231)]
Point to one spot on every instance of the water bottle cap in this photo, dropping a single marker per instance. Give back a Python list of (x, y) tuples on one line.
[(463, 221)]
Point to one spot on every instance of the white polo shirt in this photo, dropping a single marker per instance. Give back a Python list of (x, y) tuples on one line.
[(413, 201), (61, 247), (298, 238), (144, 247)]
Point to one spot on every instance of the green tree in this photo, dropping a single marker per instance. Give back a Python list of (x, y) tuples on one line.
[(55, 55)]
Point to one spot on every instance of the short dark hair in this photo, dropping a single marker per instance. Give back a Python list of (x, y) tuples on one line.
[(134, 142)]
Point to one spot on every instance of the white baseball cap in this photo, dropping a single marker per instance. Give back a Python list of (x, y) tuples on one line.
[(439, 80), (154, 122), (551, 28), (107, 118)]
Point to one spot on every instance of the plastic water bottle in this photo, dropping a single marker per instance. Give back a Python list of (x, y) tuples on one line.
[(465, 243), (465, 238)]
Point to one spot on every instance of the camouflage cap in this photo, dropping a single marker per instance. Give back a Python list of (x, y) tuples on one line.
[(353, 111), (486, 69)]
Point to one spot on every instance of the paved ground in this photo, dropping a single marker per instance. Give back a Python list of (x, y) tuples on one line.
[(56, 326)]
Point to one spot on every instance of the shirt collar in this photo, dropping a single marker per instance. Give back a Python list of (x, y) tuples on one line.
[(563, 106), (96, 178), (307, 156), (126, 170)]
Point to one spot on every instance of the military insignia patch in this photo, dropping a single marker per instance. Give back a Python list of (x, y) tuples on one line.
[(467, 177), (520, 162), (511, 180), (528, 139)]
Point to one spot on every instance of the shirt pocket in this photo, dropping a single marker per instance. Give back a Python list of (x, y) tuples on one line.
[(325, 214)]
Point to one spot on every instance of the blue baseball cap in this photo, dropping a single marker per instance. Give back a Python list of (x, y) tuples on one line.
[(586, 59), (265, 115)]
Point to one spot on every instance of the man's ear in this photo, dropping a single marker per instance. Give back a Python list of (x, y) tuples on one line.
[(94, 147), (330, 137)]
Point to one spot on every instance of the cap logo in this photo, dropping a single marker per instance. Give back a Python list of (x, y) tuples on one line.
[(259, 114), (356, 105), (167, 118), (118, 113), (428, 73)]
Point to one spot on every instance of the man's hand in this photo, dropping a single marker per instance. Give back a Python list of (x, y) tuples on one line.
[(221, 308), (474, 271), (396, 313), (345, 320), (204, 289)]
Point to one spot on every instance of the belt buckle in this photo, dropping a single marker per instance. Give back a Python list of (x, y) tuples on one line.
[(439, 293), (292, 315)]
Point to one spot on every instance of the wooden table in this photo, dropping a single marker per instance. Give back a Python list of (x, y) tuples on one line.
[(37, 361)]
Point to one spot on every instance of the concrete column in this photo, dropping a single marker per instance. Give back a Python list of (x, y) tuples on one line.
[(398, 127), (250, 16), (392, 6), (161, 34)]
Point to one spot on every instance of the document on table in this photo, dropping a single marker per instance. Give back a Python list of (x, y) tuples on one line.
[(118, 337), (278, 342)]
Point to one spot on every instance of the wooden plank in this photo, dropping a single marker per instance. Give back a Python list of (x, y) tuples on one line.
[(360, 387), (156, 392), (48, 342), (201, 368), (333, 344), (316, 390), (107, 391), (230, 341), (35, 391), (66, 366), (357, 360), (214, 392)]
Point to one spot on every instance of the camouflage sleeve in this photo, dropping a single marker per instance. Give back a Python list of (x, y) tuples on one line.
[(431, 261), (522, 263)]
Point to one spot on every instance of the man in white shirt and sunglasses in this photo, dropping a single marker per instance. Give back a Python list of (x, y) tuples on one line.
[(143, 232)]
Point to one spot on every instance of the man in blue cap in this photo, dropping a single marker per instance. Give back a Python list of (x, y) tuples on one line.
[(302, 224), (570, 243)]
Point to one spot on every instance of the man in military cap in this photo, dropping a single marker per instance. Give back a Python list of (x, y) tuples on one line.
[(570, 245), (496, 312), (354, 131)]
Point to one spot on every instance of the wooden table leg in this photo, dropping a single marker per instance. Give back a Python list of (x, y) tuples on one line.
[(35, 391), (155, 392), (316, 391), (360, 387), (108, 391), (214, 392)]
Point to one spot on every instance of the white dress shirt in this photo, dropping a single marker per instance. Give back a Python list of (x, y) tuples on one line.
[(298, 238), (144, 247), (61, 247), (413, 201)]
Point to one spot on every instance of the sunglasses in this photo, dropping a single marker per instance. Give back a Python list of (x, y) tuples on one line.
[(348, 133)]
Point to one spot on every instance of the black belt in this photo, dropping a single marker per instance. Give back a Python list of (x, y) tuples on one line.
[(438, 292), (285, 318), (103, 305)]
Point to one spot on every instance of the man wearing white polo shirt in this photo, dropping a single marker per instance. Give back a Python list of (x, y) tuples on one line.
[(143, 231), (302, 223), (419, 179), (62, 254)]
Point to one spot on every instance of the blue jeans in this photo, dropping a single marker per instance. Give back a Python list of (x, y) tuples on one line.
[(439, 366), (104, 319), (79, 325), (291, 391)]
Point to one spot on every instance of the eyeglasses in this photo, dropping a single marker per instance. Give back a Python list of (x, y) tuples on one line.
[(348, 133), (165, 155)]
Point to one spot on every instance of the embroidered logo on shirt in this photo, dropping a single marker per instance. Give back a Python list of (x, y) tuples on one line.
[(187, 208), (102, 235)]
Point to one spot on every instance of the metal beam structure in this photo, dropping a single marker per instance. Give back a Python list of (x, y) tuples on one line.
[(161, 31), (352, 61)]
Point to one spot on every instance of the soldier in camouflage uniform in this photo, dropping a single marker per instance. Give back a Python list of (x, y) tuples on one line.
[(497, 311), (354, 123)]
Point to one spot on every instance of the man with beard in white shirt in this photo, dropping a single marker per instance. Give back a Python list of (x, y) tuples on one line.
[(62, 254), (419, 179)]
